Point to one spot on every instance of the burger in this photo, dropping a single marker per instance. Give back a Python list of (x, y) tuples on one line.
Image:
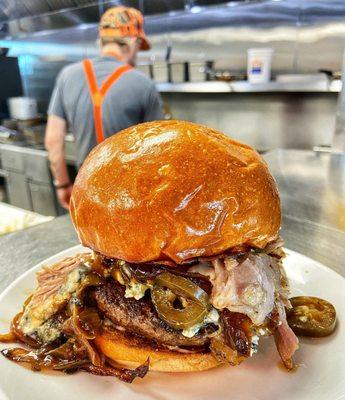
[(185, 270)]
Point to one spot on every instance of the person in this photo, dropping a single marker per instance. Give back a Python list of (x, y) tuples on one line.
[(99, 97)]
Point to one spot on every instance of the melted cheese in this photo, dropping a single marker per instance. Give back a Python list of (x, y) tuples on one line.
[(211, 317), (135, 289), (35, 316), (254, 344)]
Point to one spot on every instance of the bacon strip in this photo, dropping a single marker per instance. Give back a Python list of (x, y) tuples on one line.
[(246, 287), (285, 339)]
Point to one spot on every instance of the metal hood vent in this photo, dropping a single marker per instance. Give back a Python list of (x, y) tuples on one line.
[(89, 10), (305, 35)]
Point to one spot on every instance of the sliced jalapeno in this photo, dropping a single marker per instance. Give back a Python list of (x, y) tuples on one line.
[(311, 316), (192, 301), (183, 287)]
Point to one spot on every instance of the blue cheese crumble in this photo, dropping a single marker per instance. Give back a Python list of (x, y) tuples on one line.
[(211, 317), (254, 344), (35, 316), (135, 289)]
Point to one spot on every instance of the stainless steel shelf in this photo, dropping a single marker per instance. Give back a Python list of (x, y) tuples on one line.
[(194, 87), (321, 86)]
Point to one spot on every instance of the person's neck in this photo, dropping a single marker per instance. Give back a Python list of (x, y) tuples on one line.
[(114, 51)]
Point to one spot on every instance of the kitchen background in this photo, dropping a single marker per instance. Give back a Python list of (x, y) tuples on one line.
[(199, 62)]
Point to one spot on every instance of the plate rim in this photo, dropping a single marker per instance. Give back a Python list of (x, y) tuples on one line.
[(36, 266), (77, 248)]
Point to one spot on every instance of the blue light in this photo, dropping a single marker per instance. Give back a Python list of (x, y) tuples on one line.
[(25, 63)]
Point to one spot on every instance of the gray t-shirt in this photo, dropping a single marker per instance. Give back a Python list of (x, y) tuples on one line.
[(131, 100)]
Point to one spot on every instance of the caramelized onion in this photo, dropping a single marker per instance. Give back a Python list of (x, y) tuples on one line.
[(90, 321), (68, 365), (99, 266), (237, 331), (68, 351), (126, 375), (92, 279), (83, 338), (37, 359), (224, 353), (43, 359), (8, 337)]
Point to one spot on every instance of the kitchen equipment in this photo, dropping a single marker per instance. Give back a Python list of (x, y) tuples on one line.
[(259, 65), (228, 76), (34, 135), (160, 72), (10, 123), (28, 179), (199, 71), (22, 108), (27, 123), (196, 72), (178, 72), (10, 136)]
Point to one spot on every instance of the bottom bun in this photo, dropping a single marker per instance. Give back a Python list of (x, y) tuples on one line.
[(131, 352)]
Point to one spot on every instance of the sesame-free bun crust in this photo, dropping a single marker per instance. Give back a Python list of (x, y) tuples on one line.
[(173, 190), (131, 352)]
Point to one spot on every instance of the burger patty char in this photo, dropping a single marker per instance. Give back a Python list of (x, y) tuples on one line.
[(140, 317)]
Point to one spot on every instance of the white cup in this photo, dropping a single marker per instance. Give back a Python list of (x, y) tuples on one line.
[(22, 108), (259, 65)]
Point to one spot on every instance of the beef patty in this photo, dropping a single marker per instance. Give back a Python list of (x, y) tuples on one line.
[(140, 317)]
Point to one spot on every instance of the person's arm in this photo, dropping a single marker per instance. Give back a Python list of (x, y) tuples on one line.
[(54, 143), (55, 140)]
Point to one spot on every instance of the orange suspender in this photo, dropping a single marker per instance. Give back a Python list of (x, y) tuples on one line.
[(97, 94)]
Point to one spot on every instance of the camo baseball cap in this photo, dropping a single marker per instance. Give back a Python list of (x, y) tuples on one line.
[(124, 22)]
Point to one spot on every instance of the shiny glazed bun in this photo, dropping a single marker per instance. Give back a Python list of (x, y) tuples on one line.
[(173, 190), (132, 352)]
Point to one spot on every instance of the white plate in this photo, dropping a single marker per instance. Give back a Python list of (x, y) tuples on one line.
[(321, 376)]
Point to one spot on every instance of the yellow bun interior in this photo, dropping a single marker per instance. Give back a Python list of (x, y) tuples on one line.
[(132, 352)]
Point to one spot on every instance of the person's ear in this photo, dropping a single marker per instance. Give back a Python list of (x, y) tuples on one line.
[(138, 43)]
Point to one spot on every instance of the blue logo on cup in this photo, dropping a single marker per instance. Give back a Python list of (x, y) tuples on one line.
[(256, 67)]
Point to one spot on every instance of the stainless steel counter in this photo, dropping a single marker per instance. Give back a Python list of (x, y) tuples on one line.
[(28, 180), (303, 85), (312, 188), (21, 251)]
